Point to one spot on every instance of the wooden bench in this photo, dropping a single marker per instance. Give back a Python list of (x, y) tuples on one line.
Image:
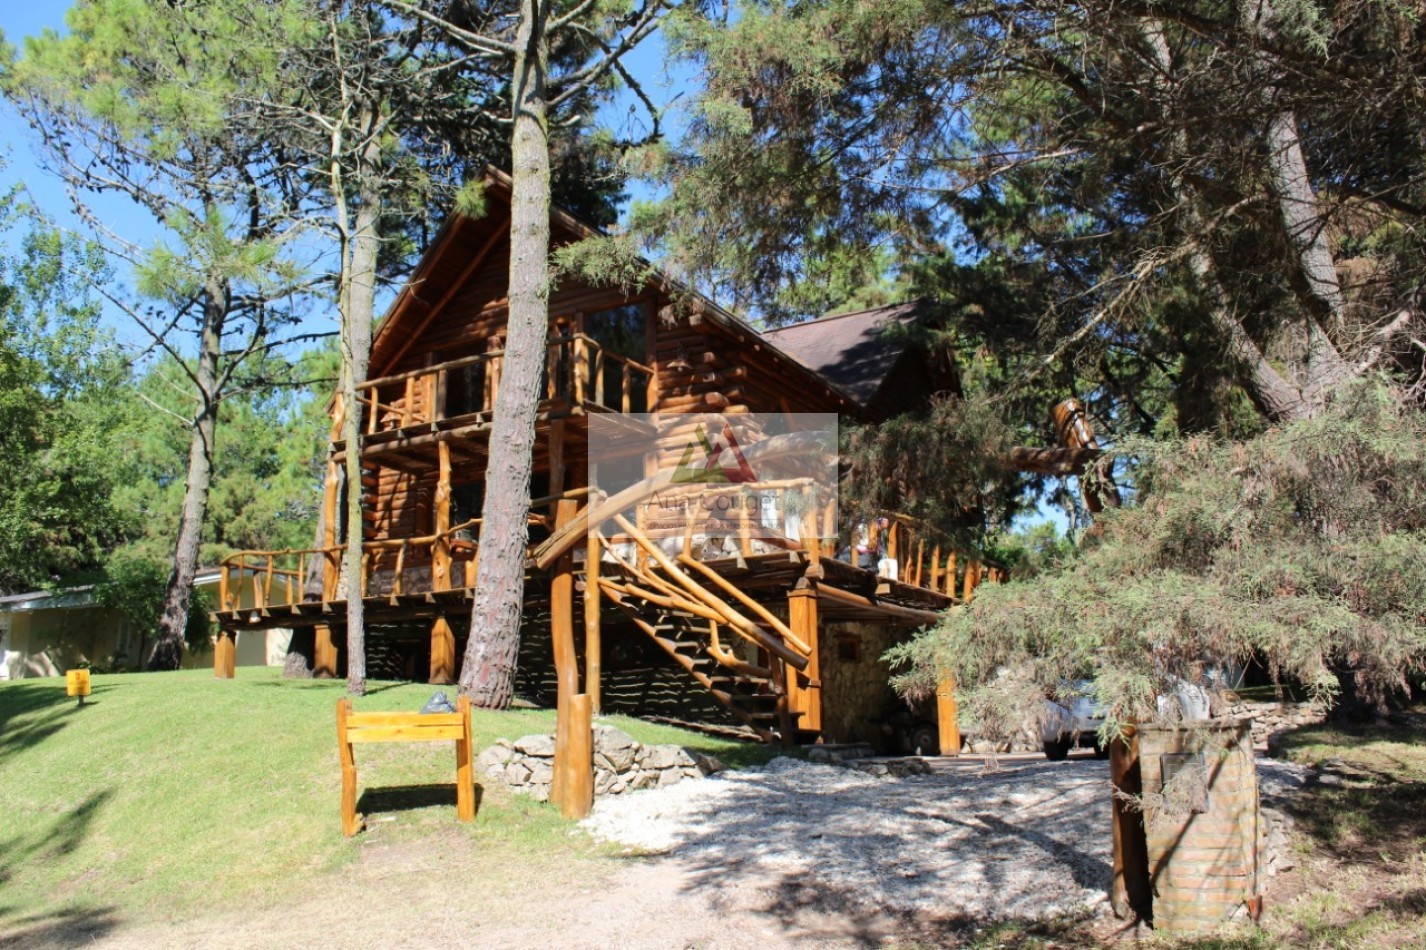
[(354, 727)]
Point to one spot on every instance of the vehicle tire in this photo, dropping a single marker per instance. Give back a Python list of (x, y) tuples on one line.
[(1101, 750), (925, 740), (1057, 750)]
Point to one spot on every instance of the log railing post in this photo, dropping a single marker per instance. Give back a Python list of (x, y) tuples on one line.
[(599, 374), (581, 370)]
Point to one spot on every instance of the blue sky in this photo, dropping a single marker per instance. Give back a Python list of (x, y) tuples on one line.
[(19, 19)]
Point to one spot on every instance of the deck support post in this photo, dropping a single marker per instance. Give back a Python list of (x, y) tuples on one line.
[(804, 690), (443, 641), (578, 760), (324, 653), (443, 653), (225, 655), (947, 717), (566, 660)]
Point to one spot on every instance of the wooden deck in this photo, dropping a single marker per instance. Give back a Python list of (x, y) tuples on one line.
[(844, 592)]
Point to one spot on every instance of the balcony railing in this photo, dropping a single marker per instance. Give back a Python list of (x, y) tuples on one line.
[(577, 369), (390, 567)]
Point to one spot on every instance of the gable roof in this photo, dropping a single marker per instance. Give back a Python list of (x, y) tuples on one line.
[(443, 269), (852, 350)]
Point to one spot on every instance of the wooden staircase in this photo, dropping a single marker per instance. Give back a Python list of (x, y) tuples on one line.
[(753, 694), (705, 626)]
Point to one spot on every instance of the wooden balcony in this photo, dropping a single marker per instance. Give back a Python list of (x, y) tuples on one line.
[(404, 416)]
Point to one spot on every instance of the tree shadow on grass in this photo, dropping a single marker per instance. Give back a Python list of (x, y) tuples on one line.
[(329, 685), (69, 926), (31, 712)]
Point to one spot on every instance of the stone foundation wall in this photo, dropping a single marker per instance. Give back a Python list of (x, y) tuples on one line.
[(856, 693), (1271, 719), (621, 764)]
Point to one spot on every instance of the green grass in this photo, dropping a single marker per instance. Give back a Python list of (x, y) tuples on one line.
[(166, 789), (1363, 840)]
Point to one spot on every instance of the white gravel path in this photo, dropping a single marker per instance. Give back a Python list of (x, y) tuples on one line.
[(1027, 842)]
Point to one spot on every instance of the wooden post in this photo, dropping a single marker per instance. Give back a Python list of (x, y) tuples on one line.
[(351, 821), (324, 653), (802, 618), (331, 561), (581, 370), (968, 587), (950, 588), (441, 551), (443, 653), (1130, 890), (593, 634), (556, 454), (947, 717), (465, 771), (225, 652), (578, 761), (566, 661)]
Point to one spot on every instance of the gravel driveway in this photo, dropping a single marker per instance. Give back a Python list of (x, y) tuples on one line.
[(1025, 842)]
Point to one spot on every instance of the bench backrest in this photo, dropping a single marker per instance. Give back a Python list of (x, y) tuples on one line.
[(353, 727)]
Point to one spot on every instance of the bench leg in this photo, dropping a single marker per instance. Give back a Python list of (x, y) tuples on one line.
[(465, 782), (351, 821)]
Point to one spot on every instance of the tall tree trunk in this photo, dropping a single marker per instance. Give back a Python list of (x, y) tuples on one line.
[(1313, 276), (1275, 396), (360, 293), (173, 622), (488, 670)]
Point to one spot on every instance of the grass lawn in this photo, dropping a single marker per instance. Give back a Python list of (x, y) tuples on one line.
[(171, 794)]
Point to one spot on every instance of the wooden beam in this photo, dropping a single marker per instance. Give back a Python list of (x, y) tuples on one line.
[(908, 614)]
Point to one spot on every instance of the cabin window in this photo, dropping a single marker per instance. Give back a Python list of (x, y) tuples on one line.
[(849, 648), (622, 331)]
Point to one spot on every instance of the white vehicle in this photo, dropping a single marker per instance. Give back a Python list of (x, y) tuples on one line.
[(1065, 726), (1077, 724)]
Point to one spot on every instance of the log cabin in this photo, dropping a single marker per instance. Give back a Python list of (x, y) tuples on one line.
[(776, 637)]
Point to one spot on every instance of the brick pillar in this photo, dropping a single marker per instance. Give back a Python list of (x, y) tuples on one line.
[(1200, 813)]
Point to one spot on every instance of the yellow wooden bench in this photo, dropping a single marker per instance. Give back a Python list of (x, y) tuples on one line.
[(354, 727)]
